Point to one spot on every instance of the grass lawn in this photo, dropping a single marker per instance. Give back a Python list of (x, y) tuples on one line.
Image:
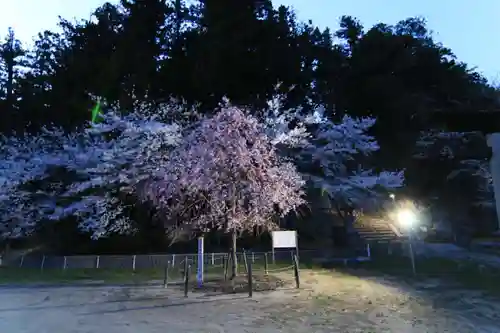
[(465, 273), (486, 239), (15, 275)]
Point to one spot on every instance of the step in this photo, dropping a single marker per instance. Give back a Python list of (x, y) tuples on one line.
[(378, 239), (376, 233), (388, 231)]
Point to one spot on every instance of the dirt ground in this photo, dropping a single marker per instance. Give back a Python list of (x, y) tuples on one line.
[(326, 302)]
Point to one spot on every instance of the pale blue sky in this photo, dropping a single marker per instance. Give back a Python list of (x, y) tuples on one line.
[(468, 27)]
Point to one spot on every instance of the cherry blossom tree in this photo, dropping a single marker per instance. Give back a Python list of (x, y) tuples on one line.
[(118, 153), (226, 174), (84, 174), (23, 160), (54, 174), (328, 154)]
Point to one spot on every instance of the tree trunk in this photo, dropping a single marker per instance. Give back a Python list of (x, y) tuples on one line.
[(178, 20), (234, 263), (5, 253), (348, 220), (10, 88), (217, 234)]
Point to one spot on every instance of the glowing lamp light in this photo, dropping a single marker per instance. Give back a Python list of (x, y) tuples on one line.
[(406, 218)]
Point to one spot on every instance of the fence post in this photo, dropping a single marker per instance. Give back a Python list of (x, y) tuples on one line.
[(250, 279), (296, 271), (226, 266), (22, 261), (368, 252), (213, 259), (65, 262), (186, 277), (412, 256), (266, 264), (245, 261), (165, 276), (253, 257), (173, 260), (133, 262), (98, 259), (43, 262)]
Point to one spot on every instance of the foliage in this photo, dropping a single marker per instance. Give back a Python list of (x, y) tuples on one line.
[(328, 153), (352, 103), (82, 172), (225, 174), (24, 160), (461, 158), (91, 172)]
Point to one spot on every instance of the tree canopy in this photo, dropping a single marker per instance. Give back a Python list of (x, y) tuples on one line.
[(373, 92)]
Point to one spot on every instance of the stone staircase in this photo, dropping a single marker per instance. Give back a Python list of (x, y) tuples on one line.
[(377, 230)]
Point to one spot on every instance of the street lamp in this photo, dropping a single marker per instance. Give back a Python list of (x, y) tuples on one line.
[(406, 218)]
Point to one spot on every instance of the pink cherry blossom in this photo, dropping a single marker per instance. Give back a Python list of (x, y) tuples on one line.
[(226, 174)]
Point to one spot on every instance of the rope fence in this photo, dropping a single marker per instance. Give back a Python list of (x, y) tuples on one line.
[(155, 261), (149, 261), (215, 274), (254, 270)]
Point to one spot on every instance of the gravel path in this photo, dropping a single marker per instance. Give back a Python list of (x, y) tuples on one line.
[(326, 302)]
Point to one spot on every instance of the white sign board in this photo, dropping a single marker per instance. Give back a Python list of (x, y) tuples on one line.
[(284, 239)]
